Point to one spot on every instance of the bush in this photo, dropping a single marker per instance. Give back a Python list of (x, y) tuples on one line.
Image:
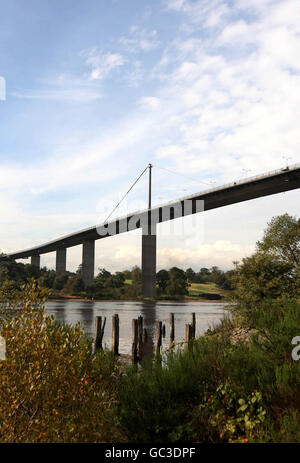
[(210, 296), (52, 388), (221, 392)]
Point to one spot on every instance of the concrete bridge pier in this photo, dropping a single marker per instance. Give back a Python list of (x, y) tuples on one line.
[(148, 265), (88, 261), (35, 260), (61, 260)]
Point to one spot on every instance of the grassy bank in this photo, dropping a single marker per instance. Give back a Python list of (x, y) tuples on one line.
[(205, 292)]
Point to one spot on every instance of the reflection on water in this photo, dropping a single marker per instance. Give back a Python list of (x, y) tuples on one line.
[(71, 312)]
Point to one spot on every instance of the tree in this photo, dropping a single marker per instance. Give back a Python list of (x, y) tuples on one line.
[(78, 285), (60, 280), (204, 271), (162, 277), (273, 270), (262, 277), (190, 274), (203, 276), (127, 274), (136, 285), (224, 280), (215, 273), (281, 240), (177, 284), (79, 270)]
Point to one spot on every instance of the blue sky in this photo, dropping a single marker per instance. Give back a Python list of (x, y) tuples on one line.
[(96, 90)]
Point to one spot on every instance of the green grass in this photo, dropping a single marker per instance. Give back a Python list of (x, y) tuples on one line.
[(203, 288), (196, 289)]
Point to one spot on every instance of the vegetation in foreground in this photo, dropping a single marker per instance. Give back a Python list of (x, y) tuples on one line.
[(54, 390), (51, 388)]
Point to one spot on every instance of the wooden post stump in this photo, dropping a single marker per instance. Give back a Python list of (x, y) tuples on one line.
[(145, 336), (158, 337), (188, 336), (172, 330), (134, 348), (99, 332), (193, 325), (140, 337), (115, 334)]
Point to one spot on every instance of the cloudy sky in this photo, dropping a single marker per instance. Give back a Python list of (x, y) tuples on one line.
[(97, 89)]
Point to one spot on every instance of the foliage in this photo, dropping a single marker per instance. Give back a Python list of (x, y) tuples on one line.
[(78, 285), (235, 418), (273, 270), (52, 388), (281, 240), (222, 392), (259, 277), (162, 278), (177, 283)]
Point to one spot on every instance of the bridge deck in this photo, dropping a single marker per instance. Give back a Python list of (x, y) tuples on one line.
[(268, 184)]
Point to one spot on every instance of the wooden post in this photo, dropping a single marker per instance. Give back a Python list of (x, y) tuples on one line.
[(188, 336), (134, 340), (158, 337), (172, 330), (99, 332), (140, 337), (145, 336), (115, 334), (193, 325)]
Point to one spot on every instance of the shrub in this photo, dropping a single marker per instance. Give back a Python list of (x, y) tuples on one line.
[(52, 388)]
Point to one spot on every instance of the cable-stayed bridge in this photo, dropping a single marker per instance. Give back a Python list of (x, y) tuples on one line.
[(255, 187)]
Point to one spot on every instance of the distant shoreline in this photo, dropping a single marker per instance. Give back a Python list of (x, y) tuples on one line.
[(185, 300)]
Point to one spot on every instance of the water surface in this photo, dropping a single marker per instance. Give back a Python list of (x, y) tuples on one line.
[(207, 314)]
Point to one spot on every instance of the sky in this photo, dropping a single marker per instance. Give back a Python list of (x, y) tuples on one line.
[(91, 92)]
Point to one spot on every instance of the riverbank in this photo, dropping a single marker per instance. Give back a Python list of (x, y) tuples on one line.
[(182, 300)]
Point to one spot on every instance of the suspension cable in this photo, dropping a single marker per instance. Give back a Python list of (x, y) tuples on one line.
[(116, 207), (181, 175)]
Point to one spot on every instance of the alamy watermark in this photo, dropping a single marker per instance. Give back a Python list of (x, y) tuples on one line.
[(2, 348), (2, 89), (296, 350), (148, 220)]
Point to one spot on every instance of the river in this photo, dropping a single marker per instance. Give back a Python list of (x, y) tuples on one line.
[(208, 314)]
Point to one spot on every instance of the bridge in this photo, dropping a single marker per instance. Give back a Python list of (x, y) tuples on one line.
[(255, 187)]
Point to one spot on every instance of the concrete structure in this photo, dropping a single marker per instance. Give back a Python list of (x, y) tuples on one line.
[(148, 265), (268, 184), (88, 261), (61, 260), (35, 260)]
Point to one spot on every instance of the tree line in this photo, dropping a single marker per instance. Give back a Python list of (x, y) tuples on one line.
[(127, 283)]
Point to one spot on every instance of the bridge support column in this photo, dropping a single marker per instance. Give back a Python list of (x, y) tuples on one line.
[(61, 260), (148, 265), (36, 260), (88, 261)]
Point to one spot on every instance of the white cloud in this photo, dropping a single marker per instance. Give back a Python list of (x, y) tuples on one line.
[(61, 87), (221, 253), (174, 4), (140, 40), (101, 64), (79, 95), (233, 104), (149, 102)]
